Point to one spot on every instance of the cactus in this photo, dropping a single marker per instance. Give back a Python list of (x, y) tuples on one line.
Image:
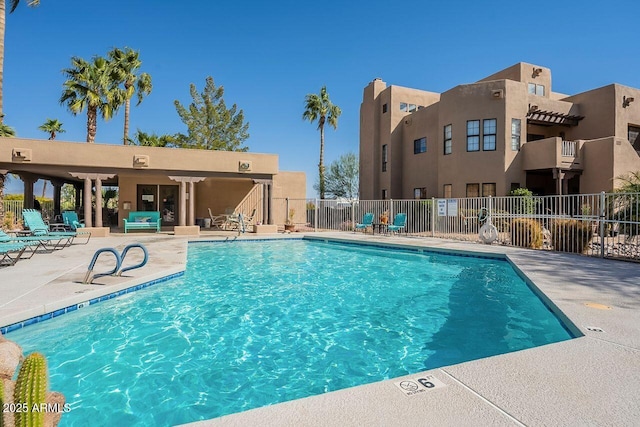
[(31, 390), (1, 403)]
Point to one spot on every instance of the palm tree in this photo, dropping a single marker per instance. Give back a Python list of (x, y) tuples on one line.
[(92, 86), (7, 131), (319, 107), (3, 15), (52, 127), (127, 63)]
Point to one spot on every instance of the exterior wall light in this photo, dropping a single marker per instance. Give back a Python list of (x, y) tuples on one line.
[(626, 100)]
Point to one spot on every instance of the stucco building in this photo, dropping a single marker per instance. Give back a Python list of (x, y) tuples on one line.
[(505, 131), (181, 184)]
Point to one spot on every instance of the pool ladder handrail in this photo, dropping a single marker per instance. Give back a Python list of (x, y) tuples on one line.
[(88, 278)]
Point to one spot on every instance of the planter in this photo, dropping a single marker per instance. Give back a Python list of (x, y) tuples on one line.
[(289, 227)]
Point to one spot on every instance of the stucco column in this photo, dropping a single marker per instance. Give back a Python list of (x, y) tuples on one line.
[(192, 203), (183, 203), (270, 203), (86, 201), (559, 177), (98, 201), (265, 204)]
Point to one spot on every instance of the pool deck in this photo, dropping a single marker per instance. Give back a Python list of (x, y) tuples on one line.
[(590, 380)]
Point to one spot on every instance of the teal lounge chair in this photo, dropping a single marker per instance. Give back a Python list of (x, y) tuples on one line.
[(399, 223), (10, 253), (367, 221), (32, 243), (71, 220), (33, 220)]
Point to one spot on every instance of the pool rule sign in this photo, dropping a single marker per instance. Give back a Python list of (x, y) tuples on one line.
[(419, 385)]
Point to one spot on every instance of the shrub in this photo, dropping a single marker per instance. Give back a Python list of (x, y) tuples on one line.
[(570, 235), (526, 233)]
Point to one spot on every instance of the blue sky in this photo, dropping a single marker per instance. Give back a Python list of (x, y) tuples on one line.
[(269, 55)]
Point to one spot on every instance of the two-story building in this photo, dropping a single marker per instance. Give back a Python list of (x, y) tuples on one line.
[(506, 131)]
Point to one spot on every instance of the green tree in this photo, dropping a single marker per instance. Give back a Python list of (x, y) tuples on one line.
[(319, 107), (153, 140), (526, 204), (92, 86), (13, 4), (211, 125), (7, 131), (127, 63), (342, 177), (52, 127)]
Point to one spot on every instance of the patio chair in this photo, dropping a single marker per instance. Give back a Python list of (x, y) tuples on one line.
[(34, 242), (399, 223), (217, 220), (233, 221), (71, 220), (367, 221), (33, 220), (10, 253)]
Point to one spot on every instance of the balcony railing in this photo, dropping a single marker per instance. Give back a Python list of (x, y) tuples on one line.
[(569, 148)]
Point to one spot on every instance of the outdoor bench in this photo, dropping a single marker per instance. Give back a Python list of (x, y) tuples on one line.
[(142, 221)]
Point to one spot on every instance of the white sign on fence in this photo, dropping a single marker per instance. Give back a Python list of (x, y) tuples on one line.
[(442, 207), (452, 207)]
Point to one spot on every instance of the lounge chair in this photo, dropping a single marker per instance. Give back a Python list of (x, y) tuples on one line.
[(33, 220), (71, 221), (367, 221), (399, 223), (10, 253), (233, 221), (47, 243)]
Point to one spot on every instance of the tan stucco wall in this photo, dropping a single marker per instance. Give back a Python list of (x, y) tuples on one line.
[(292, 185)]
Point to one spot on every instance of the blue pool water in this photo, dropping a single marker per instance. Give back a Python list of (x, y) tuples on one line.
[(256, 323)]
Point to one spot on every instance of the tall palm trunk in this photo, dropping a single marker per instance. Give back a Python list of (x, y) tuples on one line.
[(2, 180), (92, 123), (127, 108), (321, 163), (3, 16), (128, 84)]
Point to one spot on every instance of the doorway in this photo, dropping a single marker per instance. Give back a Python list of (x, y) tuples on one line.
[(162, 198)]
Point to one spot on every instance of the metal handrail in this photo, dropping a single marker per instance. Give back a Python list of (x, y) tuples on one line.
[(124, 254), (88, 278)]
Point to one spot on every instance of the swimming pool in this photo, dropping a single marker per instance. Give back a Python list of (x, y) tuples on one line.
[(256, 323)]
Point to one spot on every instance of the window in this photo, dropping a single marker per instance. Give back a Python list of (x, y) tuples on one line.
[(420, 145), (446, 191), (412, 108), (384, 158), (489, 134), (384, 108), (515, 134), (473, 135), (420, 193), (536, 89), (473, 190), (385, 194), (633, 136), (404, 106), (489, 189), (447, 139)]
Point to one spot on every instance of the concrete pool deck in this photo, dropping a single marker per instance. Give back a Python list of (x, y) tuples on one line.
[(590, 380)]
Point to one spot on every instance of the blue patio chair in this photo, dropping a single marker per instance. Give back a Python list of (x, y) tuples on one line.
[(71, 220), (10, 253), (367, 221), (32, 243), (399, 223), (33, 220)]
